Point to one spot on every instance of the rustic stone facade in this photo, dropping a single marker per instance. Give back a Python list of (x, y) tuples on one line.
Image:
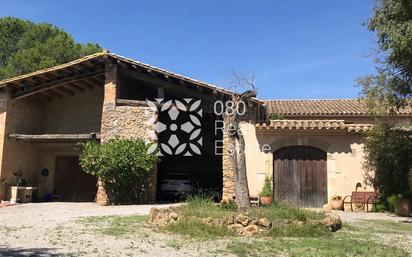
[(125, 122)]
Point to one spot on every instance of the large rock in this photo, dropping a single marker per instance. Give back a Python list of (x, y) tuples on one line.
[(251, 230), (237, 228), (242, 219), (332, 222), (230, 220), (162, 217), (264, 223)]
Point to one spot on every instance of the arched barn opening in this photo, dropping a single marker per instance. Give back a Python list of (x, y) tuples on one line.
[(300, 176)]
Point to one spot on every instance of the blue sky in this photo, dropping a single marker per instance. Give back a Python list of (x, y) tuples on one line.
[(296, 49)]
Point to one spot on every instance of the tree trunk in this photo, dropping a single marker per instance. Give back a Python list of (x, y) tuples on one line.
[(242, 197)]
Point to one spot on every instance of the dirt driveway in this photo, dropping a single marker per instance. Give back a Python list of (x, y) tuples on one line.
[(86, 229), (66, 229)]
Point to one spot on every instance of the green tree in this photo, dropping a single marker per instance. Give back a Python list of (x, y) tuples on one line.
[(123, 166), (388, 157), (26, 46), (391, 87)]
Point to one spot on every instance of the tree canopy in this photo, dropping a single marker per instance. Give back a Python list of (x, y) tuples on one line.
[(391, 86), (26, 46)]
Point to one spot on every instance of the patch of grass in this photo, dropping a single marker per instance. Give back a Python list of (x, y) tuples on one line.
[(174, 244), (114, 225), (194, 228), (314, 247), (295, 230), (277, 211), (203, 207), (386, 226)]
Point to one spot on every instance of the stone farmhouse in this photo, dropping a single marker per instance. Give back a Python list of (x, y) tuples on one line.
[(313, 149)]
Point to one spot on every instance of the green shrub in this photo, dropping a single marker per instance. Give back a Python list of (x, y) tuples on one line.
[(267, 187), (381, 207), (123, 166), (393, 202), (388, 157)]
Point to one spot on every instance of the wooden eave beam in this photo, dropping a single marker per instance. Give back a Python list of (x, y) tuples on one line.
[(166, 84), (65, 91), (55, 138), (52, 92), (54, 84), (90, 85), (76, 86)]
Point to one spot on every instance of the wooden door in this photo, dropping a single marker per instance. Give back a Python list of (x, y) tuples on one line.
[(71, 183), (299, 176)]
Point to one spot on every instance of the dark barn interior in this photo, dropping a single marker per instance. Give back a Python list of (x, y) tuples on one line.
[(204, 170)]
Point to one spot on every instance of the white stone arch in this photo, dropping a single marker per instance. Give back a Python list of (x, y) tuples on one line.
[(300, 140)]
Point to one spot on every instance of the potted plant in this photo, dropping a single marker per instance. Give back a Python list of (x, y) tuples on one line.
[(266, 193), (336, 202)]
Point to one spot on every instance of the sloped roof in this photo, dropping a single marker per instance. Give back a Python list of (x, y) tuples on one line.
[(313, 125), (327, 107), (97, 58)]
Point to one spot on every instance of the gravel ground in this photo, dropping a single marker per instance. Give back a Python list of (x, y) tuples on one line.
[(70, 229), (54, 229), (359, 216)]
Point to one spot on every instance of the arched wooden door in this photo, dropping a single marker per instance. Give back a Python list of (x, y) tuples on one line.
[(299, 176)]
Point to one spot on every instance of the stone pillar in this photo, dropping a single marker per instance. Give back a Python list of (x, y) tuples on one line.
[(109, 104), (109, 101), (4, 100)]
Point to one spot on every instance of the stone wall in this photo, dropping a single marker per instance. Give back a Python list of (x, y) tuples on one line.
[(125, 122)]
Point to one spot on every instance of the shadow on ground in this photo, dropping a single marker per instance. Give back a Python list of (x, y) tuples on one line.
[(20, 252)]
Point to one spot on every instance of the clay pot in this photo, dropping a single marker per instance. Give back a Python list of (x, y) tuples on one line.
[(337, 204), (266, 200), (404, 207)]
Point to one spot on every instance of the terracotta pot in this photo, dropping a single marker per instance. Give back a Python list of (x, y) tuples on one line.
[(337, 204), (404, 207), (266, 200)]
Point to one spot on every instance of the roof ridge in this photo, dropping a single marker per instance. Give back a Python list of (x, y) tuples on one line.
[(311, 99), (56, 67)]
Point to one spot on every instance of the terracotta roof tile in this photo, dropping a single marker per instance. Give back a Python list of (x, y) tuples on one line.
[(325, 107), (313, 125)]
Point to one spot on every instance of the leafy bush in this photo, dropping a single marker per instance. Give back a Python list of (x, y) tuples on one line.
[(381, 207), (393, 202), (123, 166), (267, 187), (388, 157)]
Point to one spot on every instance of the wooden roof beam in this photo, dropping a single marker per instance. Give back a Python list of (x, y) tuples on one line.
[(52, 92), (88, 84), (65, 91), (54, 84), (168, 85), (76, 86)]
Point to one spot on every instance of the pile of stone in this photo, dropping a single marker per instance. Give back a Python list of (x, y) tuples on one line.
[(239, 223), (242, 224)]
